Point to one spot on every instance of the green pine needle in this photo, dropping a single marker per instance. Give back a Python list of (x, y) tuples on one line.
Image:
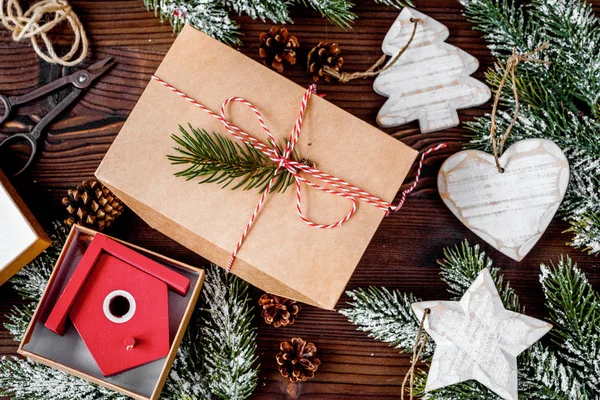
[(396, 3), (228, 336), (276, 11), (338, 12), (568, 370), (387, 316), (216, 358), (575, 312), (211, 17), (559, 101), (586, 232), (217, 159), (18, 320), (470, 390), (461, 265)]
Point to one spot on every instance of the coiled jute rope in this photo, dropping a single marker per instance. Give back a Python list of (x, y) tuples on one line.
[(35, 24)]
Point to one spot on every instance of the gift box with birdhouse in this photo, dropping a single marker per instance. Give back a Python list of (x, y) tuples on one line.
[(113, 314), (21, 236)]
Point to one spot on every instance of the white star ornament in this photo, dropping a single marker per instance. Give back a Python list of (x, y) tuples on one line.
[(477, 338)]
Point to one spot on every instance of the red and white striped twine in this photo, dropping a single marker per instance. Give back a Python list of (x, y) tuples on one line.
[(327, 183)]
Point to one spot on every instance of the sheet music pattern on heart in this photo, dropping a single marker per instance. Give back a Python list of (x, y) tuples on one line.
[(431, 79), (512, 210)]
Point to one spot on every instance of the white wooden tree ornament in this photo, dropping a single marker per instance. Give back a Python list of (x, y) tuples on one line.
[(477, 338), (509, 210), (431, 79)]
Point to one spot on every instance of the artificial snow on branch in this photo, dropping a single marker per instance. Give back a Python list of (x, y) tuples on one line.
[(386, 315), (575, 312), (228, 336), (216, 360), (560, 101), (212, 17), (566, 370)]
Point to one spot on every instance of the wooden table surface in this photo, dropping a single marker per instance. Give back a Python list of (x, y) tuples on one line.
[(402, 254)]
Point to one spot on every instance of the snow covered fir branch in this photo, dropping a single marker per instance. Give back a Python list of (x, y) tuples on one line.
[(560, 101), (567, 369), (216, 360), (214, 17)]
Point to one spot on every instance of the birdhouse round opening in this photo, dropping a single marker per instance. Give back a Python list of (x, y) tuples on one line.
[(119, 306)]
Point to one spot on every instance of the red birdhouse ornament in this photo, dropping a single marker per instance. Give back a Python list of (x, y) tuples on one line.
[(118, 301)]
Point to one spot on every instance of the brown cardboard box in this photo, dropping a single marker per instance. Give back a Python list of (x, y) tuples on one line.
[(68, 353), (282, 254), (21, 237)]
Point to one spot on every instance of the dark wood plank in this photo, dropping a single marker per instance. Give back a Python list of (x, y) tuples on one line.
[(402, 254)]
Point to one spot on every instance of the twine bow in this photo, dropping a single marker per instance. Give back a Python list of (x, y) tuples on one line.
[(511, 67), (282, 158), (38, 20)]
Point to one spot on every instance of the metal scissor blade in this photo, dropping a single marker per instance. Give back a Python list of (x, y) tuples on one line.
[(99, 68)]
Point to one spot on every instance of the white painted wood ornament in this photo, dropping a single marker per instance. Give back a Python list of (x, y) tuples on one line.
[(509, 210), (477, 338), (431, 80)]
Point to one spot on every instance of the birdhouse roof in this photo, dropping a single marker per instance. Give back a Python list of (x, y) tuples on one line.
[(100, 245), (136, 330), (110, 273)]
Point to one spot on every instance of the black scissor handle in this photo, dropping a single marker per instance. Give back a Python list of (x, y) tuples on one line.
[(7, 107), (21, 137)]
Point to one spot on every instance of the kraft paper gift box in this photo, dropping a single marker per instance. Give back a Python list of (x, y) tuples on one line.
[(281, 254), (68, 352), (21, 237)]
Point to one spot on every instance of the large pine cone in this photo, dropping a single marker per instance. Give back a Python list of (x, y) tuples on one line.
[(93, 205), (297, 360), (325, 54), (276, 46), (277, 310)]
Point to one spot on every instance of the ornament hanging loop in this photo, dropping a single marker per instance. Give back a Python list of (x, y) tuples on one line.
[(420, 342), (509, 69), (375, 69)]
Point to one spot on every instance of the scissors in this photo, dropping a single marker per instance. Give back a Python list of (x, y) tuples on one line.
[(80, 80)]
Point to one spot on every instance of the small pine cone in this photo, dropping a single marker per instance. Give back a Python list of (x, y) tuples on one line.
[(325, 54), (297, 360), (276, 46), (277, 310), (93, 205)]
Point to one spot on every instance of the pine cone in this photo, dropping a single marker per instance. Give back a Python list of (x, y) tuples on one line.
[(93, 205), (277, 310), (297, 360), (325, 54), (276, 46)]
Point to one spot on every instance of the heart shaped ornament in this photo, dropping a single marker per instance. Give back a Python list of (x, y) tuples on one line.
[(509, 210)]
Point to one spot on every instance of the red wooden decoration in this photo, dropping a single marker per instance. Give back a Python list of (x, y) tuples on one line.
[(118, 301)]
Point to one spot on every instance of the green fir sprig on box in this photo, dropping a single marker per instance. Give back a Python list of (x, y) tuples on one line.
[(218, 159), (568, 369), (213, 16), (216, 360), (560, 102)]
